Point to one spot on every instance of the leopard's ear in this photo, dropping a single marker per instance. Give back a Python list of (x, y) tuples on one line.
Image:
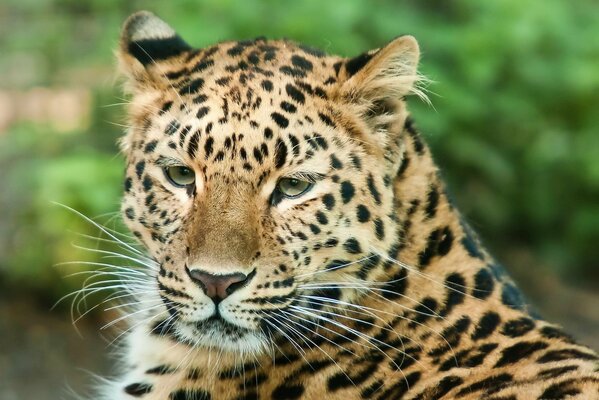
[(373, 86), (390, 72), (147, 42)]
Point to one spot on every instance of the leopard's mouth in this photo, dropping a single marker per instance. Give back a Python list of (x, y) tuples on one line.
[(217, 323), (218, 333)]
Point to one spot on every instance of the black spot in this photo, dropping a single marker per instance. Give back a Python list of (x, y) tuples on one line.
[(446, 384), (288, 107), (294, 72), (165, 107), (566, 354), (161, 370), (267, 85), (128, 184), (403, 166), (139, 168), (202, 65), (438, 244), (280, 119), (511, 297), (353, 65), (362, 213), (356, 161), (199, 99), (551, 332), (192, 87), (562, 390), (555, 372), (352, 246), (379, 228), (150, 146), (150, 50), (267, 133), (301, 62), (471, 246), (401, 387), (373, 190), (347, 191), (295, 93), (202, 112), (138, 389), (322, 218), (518, 327), (280, 153), (424, 311), (418, 144), (295, 146), (432, 201), (371, 389), (342, 380), (486, 325), (483, 284), (288, 391), (147, 183), (327, 120), (489, 385), (396, 286), (192, 147), (519, 351), (452, 336), (195, 394), (329, 201), (208, 147), (130, 213), (335, 163)]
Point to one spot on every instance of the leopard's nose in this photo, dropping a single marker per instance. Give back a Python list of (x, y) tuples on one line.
[(219, 287)]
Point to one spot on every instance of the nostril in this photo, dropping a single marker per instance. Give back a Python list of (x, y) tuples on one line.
[(239, 284), (218, 287)]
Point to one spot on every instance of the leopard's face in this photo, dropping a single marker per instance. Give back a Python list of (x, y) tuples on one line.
[(259, 185)]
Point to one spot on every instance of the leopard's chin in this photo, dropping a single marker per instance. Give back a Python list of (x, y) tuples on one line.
[(217, 333)]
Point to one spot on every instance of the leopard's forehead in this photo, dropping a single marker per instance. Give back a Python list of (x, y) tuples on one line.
[(242, 71), (246, 103)]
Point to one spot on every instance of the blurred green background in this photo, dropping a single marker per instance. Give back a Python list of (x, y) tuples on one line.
[(514, 128)]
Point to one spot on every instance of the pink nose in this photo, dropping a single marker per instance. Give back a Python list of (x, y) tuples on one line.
[(218, 287)]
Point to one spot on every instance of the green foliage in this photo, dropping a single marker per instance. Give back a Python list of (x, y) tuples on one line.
[(514, 124)]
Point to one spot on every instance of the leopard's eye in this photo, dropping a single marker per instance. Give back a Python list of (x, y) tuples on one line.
[(180, 176), (292, 187)]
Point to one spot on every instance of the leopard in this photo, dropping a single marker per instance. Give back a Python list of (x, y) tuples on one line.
[(299, 240)]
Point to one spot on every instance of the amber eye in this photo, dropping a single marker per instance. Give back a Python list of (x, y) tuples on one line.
[(292, 187), (180, 176)]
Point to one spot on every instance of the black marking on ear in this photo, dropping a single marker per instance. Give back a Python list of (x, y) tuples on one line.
[(147, 51), (353, 65)]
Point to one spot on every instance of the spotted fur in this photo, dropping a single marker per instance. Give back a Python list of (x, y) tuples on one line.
[(368, 286)]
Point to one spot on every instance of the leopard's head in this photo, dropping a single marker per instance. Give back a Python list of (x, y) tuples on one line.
[(260, 177)]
